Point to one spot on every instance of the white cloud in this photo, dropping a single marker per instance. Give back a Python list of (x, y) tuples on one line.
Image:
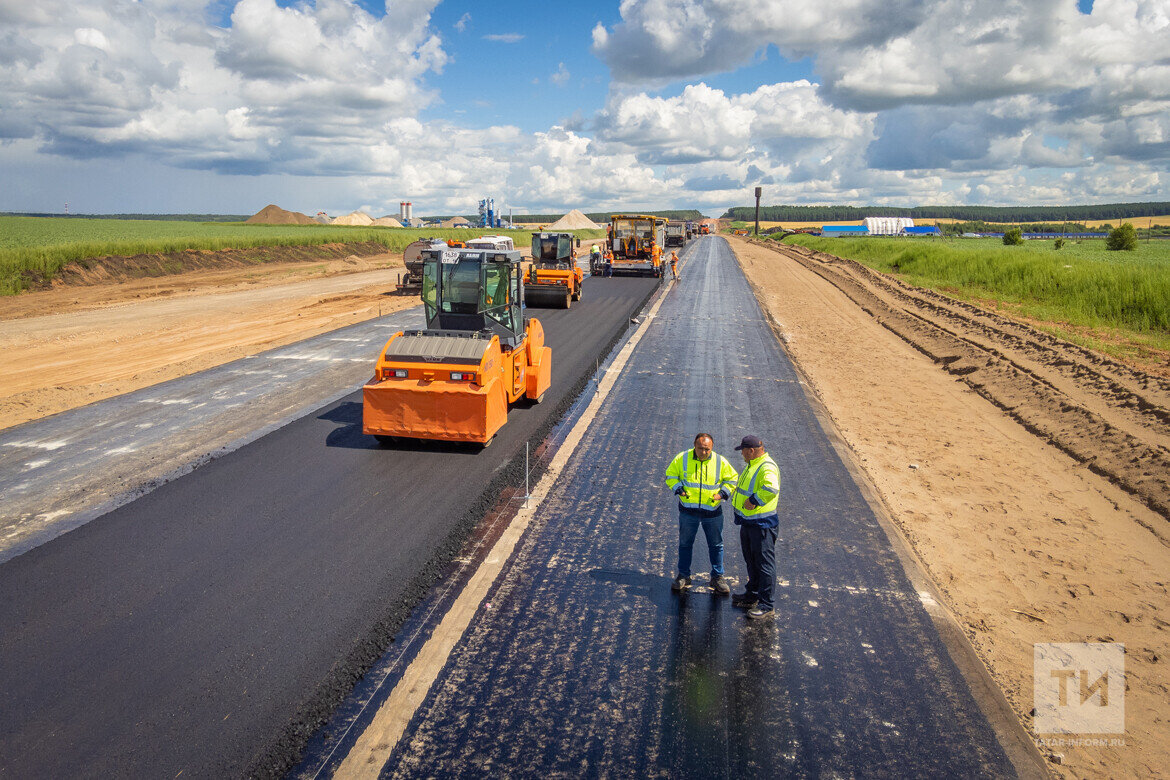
[(504, 37), (464, 20), (561, 76)]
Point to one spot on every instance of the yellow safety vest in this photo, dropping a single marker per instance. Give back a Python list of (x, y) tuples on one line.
[(701, 479), (760, 481)]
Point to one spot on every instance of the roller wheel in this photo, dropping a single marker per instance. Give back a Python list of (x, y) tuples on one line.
[(488, 443), (539, 398), (568, 300)]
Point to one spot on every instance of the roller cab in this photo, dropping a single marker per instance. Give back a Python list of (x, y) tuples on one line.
[(553, 278), (455, 380)]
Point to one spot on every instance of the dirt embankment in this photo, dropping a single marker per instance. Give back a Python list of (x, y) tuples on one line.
[(113, 269), (73, 345), (1026, 473)]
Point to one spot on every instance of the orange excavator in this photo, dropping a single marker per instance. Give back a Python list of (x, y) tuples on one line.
[(455, 380), (553, 278)]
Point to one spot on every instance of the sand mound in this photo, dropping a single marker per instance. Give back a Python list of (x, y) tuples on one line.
[(275, 215), (386, 222), (574, 220), (454, 222), (355, 218)]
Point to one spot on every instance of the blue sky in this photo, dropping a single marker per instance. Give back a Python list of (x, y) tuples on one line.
[(338, 105)]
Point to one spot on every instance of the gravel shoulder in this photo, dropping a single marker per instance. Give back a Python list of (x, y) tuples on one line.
[(1028, 475)]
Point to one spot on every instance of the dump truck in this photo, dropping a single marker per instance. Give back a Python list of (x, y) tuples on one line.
[(636, 242), (676, 234), (704, 229), (553, 279), (410, 283), (455, 380), (690, 229)]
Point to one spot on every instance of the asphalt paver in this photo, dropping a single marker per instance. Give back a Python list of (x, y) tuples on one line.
[(581, 662), (204, 627)]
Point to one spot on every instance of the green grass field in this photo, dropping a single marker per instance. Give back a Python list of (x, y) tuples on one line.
[(44, 245), (1106, 297)]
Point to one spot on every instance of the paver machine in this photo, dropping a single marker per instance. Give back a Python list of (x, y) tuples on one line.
[(455, 380), (637, 241), (553, 279)]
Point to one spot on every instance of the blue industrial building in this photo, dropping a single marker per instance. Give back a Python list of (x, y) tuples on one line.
[(844, 230), (925, 230)]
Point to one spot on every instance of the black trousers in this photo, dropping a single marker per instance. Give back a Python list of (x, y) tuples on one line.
[(759, 553)]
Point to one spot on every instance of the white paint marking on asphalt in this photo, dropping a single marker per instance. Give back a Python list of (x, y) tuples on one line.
[(38, 445), (374, 746), (166, 401)]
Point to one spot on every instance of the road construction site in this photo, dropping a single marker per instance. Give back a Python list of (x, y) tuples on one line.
[(226, 554)]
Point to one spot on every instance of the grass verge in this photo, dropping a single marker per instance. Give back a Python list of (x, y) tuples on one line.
[(38, 247), (1118, 302)]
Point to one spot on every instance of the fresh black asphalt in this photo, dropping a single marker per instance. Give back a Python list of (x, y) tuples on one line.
[(582, 663), (208, 626)]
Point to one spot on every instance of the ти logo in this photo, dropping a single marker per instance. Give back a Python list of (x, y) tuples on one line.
[(1078, 688)]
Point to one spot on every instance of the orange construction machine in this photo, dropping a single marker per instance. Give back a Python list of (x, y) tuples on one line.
[(637, 241), (553, 278), (704, 229), (455, 380)]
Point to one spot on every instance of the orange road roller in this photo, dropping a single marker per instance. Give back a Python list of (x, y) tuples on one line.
[(455, 380), (553, 279)]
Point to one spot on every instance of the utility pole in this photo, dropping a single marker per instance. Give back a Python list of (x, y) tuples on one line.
[(759, 191)]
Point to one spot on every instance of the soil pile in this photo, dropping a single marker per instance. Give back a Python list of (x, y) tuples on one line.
[(574, 220), (386, 222), (454, 222), (355, 218), (275, 215)]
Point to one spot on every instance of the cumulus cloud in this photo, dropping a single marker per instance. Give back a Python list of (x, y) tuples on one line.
[(561, 76), (505, 37)]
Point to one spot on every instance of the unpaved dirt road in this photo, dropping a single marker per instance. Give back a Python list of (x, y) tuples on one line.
[(71, 346), (1028, 475)]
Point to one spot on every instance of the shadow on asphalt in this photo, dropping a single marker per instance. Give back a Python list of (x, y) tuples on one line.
[(348, 415)]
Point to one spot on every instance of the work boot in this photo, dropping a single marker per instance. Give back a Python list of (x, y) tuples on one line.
[(680, 584), (759, 613), (720, 586), (743, 600)]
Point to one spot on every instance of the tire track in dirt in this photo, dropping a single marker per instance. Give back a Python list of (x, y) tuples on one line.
[(1111, 418)]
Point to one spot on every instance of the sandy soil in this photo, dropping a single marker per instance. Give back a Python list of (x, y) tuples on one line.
[(71, 346), (1026, 543)]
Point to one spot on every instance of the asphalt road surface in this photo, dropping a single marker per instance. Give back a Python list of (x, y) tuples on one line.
[(582, 662), (197, 629)]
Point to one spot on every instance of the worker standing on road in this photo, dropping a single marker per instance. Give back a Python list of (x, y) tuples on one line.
[(702, 480), (594, 259), (674, 265), (756, 497), (608, 263)]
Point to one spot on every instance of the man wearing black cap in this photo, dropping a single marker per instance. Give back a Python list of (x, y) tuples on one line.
[(755, 501)]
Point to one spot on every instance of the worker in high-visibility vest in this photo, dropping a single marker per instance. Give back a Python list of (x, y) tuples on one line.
[(755, 501), (674, 265), (594, 259), (702, 480)]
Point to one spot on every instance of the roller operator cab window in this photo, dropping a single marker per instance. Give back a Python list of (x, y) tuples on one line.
[(430, 288), (460, 287), (497, 297)]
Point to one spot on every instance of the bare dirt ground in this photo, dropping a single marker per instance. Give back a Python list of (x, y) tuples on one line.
[(1028, 475), (73, 345)]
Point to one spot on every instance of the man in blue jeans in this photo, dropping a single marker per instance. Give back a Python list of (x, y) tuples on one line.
[(702, 480)]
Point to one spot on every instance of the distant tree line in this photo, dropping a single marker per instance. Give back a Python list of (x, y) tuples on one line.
[(603, 216), (1034, 214)]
